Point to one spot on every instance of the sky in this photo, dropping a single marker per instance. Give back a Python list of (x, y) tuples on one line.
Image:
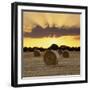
[(42, 29)]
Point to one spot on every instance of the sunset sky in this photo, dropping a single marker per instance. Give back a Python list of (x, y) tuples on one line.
[(41, 29)]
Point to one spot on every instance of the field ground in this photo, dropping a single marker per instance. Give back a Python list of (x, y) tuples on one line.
[(35, 66)]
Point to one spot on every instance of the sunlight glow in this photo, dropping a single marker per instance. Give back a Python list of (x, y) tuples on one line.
[(43, 19), (48, 41)]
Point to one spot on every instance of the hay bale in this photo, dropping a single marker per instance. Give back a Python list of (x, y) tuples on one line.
[(65, 54), (56, 53), (36, 53), (50, 58), (60, 52)]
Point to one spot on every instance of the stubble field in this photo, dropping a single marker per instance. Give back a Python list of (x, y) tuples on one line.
[(35, 66)]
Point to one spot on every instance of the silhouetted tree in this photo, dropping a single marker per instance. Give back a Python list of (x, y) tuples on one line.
[(64, 47), (35, 48), (30, 49), (53, 47), (25, 49), (77, 49), (41, 49)]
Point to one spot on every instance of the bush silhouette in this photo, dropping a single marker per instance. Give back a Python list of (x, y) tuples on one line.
[(41, 49), (30, 49), (53, 47), (25, 49)]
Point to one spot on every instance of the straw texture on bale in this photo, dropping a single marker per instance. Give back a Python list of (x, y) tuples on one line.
[(65, 54), (36, 53), (50, 58)]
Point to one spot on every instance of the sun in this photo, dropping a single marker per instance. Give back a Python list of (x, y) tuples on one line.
[(53, 40)]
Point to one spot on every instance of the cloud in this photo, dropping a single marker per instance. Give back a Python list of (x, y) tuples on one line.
[(39, 32), (77, 38), (32, 19)]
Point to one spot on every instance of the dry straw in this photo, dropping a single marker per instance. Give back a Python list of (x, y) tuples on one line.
[(50, 58)]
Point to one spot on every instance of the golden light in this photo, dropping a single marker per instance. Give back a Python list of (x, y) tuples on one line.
[(48, 41), (30, 21), (53, 40)]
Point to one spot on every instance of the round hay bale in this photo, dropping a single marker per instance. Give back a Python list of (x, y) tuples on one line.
[(60, 52), (65, 54), (36, 53), (56, 53), (50, 58)]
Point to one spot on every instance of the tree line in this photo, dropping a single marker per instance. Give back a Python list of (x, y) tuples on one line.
[(52, 47)]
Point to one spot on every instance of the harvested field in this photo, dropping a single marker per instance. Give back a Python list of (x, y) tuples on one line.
[(35, 66)]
